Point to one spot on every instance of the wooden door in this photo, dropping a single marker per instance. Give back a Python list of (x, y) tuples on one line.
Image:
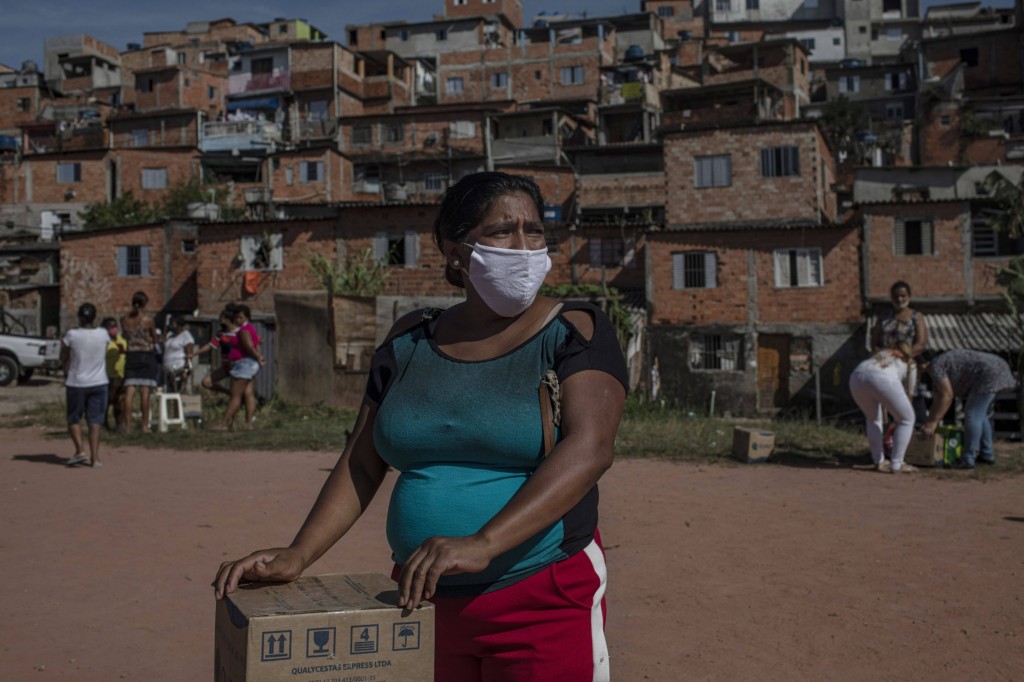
[(772, 370)]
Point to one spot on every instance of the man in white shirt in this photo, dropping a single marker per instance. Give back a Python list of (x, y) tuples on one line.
[(83, 357)]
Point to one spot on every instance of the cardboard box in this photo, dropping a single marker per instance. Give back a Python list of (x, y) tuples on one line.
[(318, 628), (752, 445), (943, 448), (926, 452)]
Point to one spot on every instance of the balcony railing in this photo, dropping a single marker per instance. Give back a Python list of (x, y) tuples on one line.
[(221, 136)]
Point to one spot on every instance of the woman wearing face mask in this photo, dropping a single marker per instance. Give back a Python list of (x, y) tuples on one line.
[(903, 323), (498, 533)]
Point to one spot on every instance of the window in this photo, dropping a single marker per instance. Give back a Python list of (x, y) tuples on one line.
[(145, 85), (154, 178), (987, 241), (571, 75), (780, 162), (894, 111), (811, 4), (362, 135), (211, 92), (181, 57), (713, 171), (862, 29), (969, 56), (311, 171), (913, 237), (396, 249), (723, 5), (462, 129), (140, 137), (289, 176), (367, 179), (798, 268), (262, 252), (896, 81), (442, 35), (665, 11), (610, 252), (837, 41), (23, 104), (715, 351), (499, 80), (403, 35), (133, 261), (283, 28), (453, 86), (808, 44), (353, 37), (460, 2), (849, 84), (434, 181), (188, 245), (694, 270), (394, 132), (753, 4), (69, 172), (893, 33), (263, 65), (892, 6)]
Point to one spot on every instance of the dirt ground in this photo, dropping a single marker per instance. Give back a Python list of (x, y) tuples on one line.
[(719, 572)]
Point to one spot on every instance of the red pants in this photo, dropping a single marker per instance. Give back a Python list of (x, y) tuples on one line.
[(548, 627)]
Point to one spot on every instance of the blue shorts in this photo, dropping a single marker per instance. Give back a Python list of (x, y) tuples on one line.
[(246, 368), (90, 401)]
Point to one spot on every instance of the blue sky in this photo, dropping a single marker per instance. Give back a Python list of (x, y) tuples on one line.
[(25, 24)]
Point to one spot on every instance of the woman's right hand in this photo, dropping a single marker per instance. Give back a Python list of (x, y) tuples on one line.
[(280, 564)]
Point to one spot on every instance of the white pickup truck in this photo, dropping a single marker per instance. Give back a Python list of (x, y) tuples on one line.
[(21, 353)]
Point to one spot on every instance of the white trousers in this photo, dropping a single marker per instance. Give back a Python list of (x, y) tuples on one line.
[(875, 394)]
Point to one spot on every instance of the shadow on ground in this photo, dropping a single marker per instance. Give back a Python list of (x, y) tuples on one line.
[(48, 458), (814, 459)]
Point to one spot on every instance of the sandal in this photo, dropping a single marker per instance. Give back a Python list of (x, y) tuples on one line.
[(77, 459)]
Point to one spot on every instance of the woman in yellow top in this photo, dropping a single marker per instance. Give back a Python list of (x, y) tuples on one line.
[(117, 350)]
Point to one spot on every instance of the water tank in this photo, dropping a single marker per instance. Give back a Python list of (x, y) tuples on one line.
[(29, 66), (395, 192), (634, 52), (684, 35), (203, 211)]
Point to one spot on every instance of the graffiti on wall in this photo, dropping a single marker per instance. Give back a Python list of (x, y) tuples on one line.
[(82, 281)]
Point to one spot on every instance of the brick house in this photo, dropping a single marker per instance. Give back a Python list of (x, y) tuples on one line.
[(106, 266), (749, 283)]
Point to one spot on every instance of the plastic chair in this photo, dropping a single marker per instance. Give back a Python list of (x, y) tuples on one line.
[(163, 412)]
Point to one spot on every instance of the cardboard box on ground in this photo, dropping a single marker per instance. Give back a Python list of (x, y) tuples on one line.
[(752, 445), (943, 448), (347, 628)]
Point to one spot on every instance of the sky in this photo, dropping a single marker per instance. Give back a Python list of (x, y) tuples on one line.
[(25, 24)]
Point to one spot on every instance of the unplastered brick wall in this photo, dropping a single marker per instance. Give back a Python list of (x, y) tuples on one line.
[(41, 177), (622, 190), (89, 273), (748, 195), (940, 274), (745, 255), (179, 165), (310, 175)]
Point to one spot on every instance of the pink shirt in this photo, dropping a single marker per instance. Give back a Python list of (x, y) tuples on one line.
[(237, 352)]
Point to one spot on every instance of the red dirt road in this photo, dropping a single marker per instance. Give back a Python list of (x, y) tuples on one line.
[(717, 572)]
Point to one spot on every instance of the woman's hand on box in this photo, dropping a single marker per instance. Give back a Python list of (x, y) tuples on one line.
[(280, 564)]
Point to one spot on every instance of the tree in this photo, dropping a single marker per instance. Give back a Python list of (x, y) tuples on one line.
[(359, 275), (1009, 198), (842, 119), (124, 210), (175, 203)]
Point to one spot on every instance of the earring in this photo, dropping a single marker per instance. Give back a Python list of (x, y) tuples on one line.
[(456, 262)]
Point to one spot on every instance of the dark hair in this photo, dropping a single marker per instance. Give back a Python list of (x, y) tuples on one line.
[(467, 202), (900, 285), (139, 299), (109, 322), (241, 308), (927, 355), (177, 321), (86, 313), (227, 313)]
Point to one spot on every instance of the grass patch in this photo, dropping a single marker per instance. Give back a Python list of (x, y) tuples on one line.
[(646, 431)]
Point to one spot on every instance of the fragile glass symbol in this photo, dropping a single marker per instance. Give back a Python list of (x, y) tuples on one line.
[(321, 638)]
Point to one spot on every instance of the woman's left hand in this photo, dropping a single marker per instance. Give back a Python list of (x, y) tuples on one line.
[(436, 557)]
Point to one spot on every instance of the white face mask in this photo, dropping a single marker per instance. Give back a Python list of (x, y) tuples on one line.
[(507, 279)]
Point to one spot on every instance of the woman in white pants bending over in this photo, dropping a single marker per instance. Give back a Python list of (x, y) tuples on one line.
[(880, 384)]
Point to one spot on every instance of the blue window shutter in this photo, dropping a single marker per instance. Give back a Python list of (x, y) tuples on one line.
[(144, 261), (122, 261), (710, 270), (380, 247), (766, 163), (678, 271), (411, 245)]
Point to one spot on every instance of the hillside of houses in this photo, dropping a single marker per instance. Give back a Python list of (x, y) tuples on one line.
[(746, 177)]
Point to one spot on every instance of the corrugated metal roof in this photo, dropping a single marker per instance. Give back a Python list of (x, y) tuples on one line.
[(985, 331), (990, 332)]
